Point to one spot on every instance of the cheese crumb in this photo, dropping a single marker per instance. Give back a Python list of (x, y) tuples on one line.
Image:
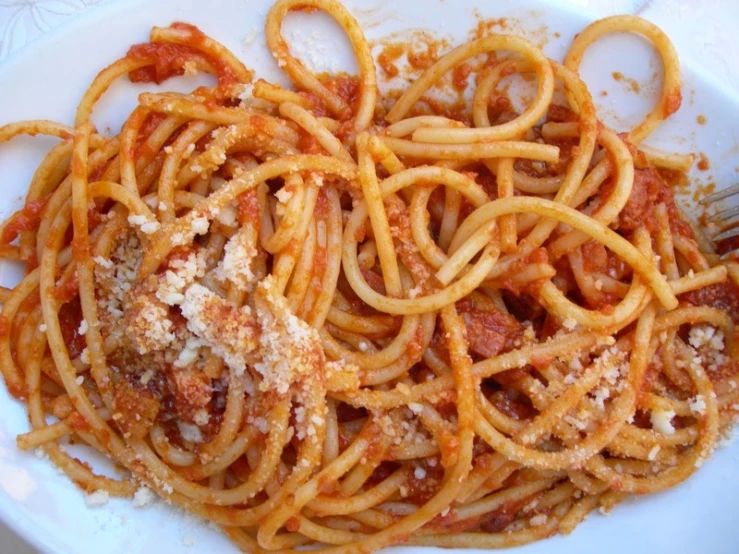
[(97, 499), (289, 347), (698, 404), (189, 432), (42, 327), (142, 497), (569, 324), (238, 259), (653, 453), (201, 417), (103, 262), (538, 520), (419, 473), (146, 226), (661, 421), (227, 330), (415, 407), (82, 329), (250, 36), (200, 225), (147, 376)]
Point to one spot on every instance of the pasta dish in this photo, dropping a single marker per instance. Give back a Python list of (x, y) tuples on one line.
[(324, 316)]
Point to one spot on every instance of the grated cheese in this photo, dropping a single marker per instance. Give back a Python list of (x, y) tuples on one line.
[(97, 499), (697, 404), (662, 421), (238, 257), (290, 348), (228, 331), (142, 497), (190, 432), (538, 520), (199, 225), (569, 324)]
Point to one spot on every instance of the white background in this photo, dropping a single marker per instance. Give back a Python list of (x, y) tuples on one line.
[(704, 28)]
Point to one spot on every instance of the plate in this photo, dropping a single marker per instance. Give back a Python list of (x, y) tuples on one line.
[(47, 79)]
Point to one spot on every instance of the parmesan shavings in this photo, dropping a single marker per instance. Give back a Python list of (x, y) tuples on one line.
[(189, 432), (662, 421), (697, 404), (97, 499), (290, 349), (238, 257), (145, 225), (142, 497), (230, 332)]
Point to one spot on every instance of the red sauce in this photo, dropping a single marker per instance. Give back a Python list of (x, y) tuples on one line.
[(150, 124), (70, 316), (672, 102), (346, 87), (304, 9), (595, 257), (387, 58), (422, 490), (135, 407), (648, 191), (728, 245), (32, 262), (374, 280), (537, 256), (97, 172), (497, 520), (513, 405), (4, 326), (458, 109), (460, 76), (168, 60), (425, 58), (68, 290), (723, 296), (308, 144), (703, 162), (560, 114), (248, 206), (25, 219), (489, 332), (633, 85)]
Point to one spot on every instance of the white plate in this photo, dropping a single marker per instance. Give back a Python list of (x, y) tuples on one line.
[(47, 79)]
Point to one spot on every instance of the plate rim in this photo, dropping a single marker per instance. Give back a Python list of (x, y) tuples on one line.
[(36, 535)]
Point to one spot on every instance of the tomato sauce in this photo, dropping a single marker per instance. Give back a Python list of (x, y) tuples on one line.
[(248, 206), (4, 326), (69, 290), (346, 87), (27, 218), (70, 316), (169, 60), (648, 191), (489, 332), (723, 296)]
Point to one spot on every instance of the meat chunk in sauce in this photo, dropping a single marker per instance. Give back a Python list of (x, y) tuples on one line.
[(490, 332)]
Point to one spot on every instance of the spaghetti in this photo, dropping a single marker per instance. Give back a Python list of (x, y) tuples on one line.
[(318, 317)]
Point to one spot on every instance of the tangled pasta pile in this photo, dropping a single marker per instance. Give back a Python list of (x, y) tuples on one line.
[(324, 316)]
